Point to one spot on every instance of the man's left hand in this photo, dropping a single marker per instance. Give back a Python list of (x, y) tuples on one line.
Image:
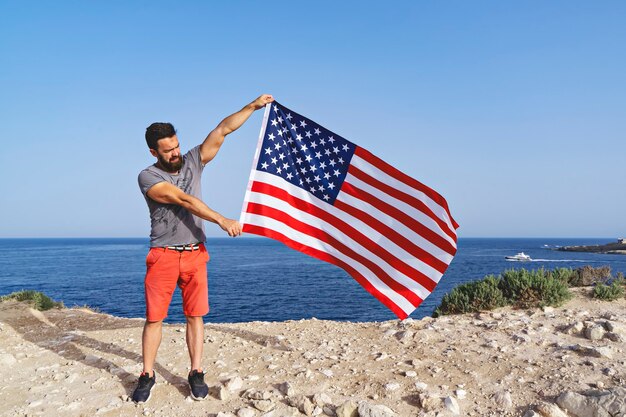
[(260, 102)]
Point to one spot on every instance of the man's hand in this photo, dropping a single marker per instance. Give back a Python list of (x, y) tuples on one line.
[(260, 102), (232, 227)]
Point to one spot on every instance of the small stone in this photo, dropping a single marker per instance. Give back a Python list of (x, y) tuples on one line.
[(321, 399), (452, 405), (327, 372), (263, 405), (368, 410), (550, 410), (234, 384), (421, 386), (460, 394), (391, 386), (503, 399), (410, 374), (595, 332), (347, 409), (287, 389), (429, 402), (531, 413), (246, 412)]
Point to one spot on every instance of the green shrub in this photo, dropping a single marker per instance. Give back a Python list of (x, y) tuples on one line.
[(609, 292), (535, 288), (564, 275), (472, 297), (39, 300)]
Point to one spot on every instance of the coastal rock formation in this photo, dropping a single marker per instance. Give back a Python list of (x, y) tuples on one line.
[(568, 361)]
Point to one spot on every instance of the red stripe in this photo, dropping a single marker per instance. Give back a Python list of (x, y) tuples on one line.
[(402, 196), (401, 176), (407, 220), (414, 274), (320, 235), (394, 236), (326, 257)]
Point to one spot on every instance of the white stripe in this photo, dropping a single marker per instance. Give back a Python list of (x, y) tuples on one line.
[(420, 217), (331, 230), (305, 239), (255, 161), (395, 224), (382, 176)]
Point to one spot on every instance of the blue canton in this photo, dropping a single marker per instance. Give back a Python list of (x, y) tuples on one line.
[(304, 153)]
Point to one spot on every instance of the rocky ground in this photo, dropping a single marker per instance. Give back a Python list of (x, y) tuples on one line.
[(569, 361)]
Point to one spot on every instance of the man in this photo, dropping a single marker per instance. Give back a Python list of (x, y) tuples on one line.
[(177, 254)]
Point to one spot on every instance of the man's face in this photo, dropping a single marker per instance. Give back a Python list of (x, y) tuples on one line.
[(168, 154)]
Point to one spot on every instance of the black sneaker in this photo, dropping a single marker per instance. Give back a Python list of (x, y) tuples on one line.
[(199, 390), (145, 384)]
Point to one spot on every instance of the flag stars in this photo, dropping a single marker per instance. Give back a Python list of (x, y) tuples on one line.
[(336, 150), (302, 123), (313, 145), (317, 132), (336, 173), (281, 156), (331, 139), (264, 165), (341, 161), (332, 163), (274, 161), (318, 155), (294, 127), (268, 151), (277, 146), (326, 197), (280, 120), (317, 178), (345, 147), (289, 116), (285, 165), (331, 186), (308, 135), (299, 137), (289, 176), (271, 136), (308, 158), (299, 161), (322, 141)]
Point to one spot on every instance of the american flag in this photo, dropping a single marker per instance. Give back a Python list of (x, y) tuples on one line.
[(322, 195)]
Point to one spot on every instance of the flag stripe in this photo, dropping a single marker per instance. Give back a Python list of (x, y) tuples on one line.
[(349, 231), (400, 215), (392, 227), (327, 257), (396, 237), (381, 239), (317, 234), (404, 197), (401, 176)]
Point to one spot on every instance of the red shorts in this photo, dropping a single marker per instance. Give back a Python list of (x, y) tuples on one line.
[(167, 268)]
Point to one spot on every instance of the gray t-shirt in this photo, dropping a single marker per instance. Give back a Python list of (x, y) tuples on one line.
[(172, 224)]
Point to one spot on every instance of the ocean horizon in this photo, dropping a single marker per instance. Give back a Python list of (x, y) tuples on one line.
[(254, 278)]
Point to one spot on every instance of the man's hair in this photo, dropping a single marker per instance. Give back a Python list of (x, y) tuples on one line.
[(157, 131)]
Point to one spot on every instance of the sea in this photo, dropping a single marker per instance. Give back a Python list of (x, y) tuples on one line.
[(255, 279)]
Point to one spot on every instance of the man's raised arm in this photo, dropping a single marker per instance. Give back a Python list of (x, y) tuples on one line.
[(214, 140), (167, 193)]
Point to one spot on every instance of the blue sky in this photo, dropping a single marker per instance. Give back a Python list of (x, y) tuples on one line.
[(514, 111)]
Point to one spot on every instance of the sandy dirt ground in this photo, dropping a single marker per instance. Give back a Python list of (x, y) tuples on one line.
[(74, 362)]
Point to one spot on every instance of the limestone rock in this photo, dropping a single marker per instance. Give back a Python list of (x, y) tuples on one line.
[(452, 405), (429, 402), (246, 412), (287, 389), (368, 410), (503, 399), (263, 405), (550, 410), (6, 359), (347, 409), (595, 332), (234, 384)]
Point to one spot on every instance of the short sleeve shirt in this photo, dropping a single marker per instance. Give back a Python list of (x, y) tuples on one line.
[(172, 224)]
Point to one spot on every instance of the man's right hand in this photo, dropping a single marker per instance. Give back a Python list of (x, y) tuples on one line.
[(230, 226)]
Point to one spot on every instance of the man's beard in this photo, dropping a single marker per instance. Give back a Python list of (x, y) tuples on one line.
[(171, 166)]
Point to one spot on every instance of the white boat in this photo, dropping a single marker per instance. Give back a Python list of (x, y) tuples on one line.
[(521, 257)]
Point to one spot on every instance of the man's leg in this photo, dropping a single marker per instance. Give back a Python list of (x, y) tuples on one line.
[(195, 341), (151, 340)]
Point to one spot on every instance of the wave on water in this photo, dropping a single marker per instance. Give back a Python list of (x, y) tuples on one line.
[(565, 260)]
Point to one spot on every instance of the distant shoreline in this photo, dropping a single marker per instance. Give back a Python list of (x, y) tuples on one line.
[(613, 248)]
